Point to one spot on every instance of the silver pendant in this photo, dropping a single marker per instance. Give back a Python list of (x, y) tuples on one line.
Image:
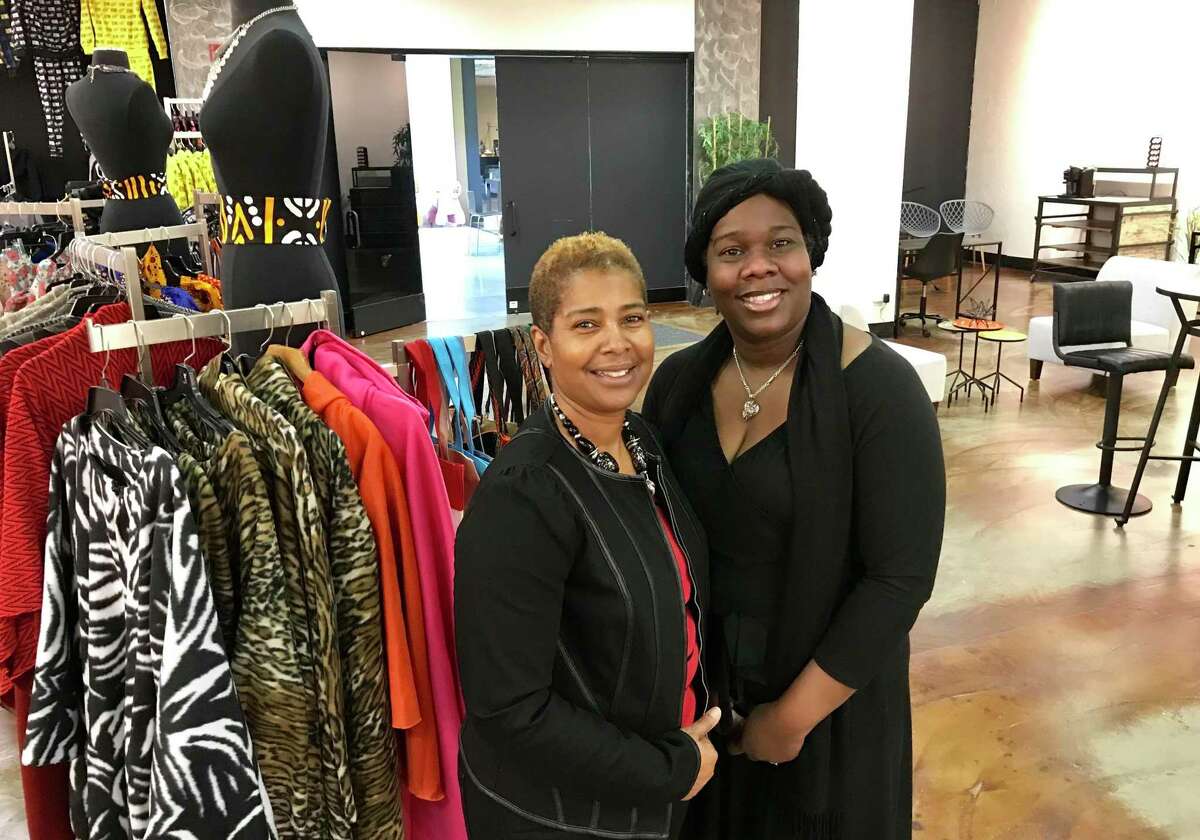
[(750, 409)]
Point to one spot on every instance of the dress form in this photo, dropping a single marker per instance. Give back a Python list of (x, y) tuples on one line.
[(266, 124), (125, 126), (244, 10)]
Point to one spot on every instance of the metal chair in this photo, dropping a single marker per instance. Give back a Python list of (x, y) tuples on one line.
[(919, 220), (968, 217), (1090, 314), (939, 258)]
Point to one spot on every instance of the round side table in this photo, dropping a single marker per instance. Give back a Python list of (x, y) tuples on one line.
[(960, 380), (1000, 338)]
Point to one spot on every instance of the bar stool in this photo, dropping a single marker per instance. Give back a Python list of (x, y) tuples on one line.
[(1100, 313), (1189, 327)]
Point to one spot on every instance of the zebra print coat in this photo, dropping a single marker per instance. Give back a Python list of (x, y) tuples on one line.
[(132, 685)]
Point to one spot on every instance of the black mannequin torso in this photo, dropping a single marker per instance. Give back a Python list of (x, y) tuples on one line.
[(125, 126), (266, 122)]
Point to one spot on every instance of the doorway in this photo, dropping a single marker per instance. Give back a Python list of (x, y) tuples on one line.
[(457, 162), (458, 171)]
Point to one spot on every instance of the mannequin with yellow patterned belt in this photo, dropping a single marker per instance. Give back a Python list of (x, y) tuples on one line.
[(125, 127), (266, 121)]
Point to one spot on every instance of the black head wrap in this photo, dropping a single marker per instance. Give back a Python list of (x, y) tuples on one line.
[(730, 185)]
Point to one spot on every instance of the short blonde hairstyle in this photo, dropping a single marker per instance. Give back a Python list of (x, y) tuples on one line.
[(568, 256)]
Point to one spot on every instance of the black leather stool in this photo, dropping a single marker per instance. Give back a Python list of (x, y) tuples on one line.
[(1100, 313)]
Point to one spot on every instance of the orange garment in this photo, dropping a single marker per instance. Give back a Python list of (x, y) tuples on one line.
[(382, 490)]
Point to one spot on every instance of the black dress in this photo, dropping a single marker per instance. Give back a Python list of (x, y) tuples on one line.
[(824, 544), (746, 506)]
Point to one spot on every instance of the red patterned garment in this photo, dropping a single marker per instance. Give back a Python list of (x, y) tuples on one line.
[(47, 391)]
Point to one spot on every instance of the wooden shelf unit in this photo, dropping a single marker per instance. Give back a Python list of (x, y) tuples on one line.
[(1137, 226)]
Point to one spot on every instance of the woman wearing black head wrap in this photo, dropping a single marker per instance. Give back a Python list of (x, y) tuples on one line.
[(812, 455)]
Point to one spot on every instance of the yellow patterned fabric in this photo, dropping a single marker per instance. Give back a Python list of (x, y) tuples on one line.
[(123, 24), (134, 187), (154, 279), (188, 171), (255, 220), (205, 290)]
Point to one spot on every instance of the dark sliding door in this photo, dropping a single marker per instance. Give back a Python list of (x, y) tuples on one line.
[(594, 143)]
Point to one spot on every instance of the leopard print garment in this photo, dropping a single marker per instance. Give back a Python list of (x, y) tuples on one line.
[(308, 583), (266, 665), (353, 555)]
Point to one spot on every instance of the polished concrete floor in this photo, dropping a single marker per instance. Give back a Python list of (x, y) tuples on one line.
[(1056, 670)]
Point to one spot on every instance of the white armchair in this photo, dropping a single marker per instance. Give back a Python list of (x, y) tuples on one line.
[(930, 366), (1155, 325)]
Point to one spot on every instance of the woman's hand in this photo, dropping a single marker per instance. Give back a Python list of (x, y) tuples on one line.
[(699, 732), (769, 736)]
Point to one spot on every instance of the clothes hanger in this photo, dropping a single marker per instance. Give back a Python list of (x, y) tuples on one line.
[(106, 294), (186, 389), (134, 391), (245, 362), (103, 401)]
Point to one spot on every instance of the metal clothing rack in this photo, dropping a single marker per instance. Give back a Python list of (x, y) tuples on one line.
[(176, 107), (197, 231), (73, 207), (11, 186), (400, 370), (125, 263), (219, 322)]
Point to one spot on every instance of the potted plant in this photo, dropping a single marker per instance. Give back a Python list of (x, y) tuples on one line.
[(402, 147), (726, 138)]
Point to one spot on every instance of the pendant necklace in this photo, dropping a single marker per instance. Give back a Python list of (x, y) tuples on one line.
[(751, 406)]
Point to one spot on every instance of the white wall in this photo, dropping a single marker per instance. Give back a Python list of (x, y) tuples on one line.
[(370, 102), (431, 106), (851, 115), (460, 124), (1060, 82), (585, 25)]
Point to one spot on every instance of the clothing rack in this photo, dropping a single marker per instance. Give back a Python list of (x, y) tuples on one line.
[(88, 256), (399, 365), (11, 186), (178, 107), (206, 199), (276, 316), (73, 208), (197, 231), (116, 252)]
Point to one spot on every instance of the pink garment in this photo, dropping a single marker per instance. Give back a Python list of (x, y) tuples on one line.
[(404, 424)]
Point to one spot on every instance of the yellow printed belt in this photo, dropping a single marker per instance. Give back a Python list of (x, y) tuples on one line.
[(135, 187), (255, 220)]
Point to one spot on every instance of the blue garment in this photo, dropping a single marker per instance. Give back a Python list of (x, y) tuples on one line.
[(180, 297)]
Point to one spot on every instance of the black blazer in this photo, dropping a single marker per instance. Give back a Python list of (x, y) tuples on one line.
[(571, 638)]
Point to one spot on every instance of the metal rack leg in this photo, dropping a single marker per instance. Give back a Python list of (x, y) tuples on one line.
[(1144, 459), (1189, 449)]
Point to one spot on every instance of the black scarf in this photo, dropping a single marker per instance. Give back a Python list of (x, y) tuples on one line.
[(820, 447)]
